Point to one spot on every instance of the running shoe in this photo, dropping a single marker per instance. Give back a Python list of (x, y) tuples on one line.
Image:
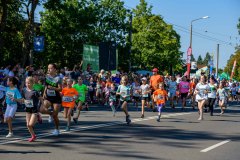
[(67, 128), (200, 118), (128, 120), (10, 134), (87, 108), (158, 119), (33, 138), (142, 116), (56, 132), (154, 109), (75, 120), (50, 119)]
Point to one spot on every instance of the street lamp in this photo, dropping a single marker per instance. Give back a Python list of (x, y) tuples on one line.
[(189, 52)]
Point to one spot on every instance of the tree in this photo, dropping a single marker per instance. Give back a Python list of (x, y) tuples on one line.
[(234, 57), (11, 27), (192, 58), (230, 62), (89, 22), (199, 60), (154, 42), (28, 34), (206, 59)]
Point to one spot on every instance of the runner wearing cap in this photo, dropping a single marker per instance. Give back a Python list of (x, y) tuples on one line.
[(145, 90), (155, 79)]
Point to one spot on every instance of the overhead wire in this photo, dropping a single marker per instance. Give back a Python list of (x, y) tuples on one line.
[(210, 38)]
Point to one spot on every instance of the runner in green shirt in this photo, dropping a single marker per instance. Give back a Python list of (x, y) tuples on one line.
[(82, 92), (39, 88)]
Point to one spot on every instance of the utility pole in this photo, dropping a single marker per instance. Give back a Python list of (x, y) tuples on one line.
[(217, 60)]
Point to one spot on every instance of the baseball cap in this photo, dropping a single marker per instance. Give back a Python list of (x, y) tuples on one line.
[(155, 70), (144, 79)]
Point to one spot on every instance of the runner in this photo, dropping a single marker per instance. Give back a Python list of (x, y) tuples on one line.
[(69, 95), (201, 95), (145, 92), (31, 100), (125, 93), (234, 90), (184, 88), (172, 85), (221, 93), (91, 90), (155, 79), (12, 96), (37, 86), (52, 96), (82, 91), (136, 95), (112, 98), (211, 95), (160, 95), (2, 98), (99, 92), (192, 89)]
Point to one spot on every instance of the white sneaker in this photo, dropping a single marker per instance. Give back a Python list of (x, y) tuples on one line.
[(50, 119), (56, 132), (200, 118), (9, 135)]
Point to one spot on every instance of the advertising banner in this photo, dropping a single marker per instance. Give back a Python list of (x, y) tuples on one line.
[(91, 57)]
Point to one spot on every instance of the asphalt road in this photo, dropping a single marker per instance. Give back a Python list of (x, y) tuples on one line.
[(100, 136)]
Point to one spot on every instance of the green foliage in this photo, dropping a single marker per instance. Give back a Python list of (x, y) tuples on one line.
[(11, 32), (192, 58), (199, 60), (68, 25), (207, 59), (154, 42), (229, 66)]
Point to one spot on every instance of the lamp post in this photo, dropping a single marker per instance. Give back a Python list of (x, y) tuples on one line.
[(189, 52)]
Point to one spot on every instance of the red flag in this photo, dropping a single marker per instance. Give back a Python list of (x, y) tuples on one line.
[(233, 69)]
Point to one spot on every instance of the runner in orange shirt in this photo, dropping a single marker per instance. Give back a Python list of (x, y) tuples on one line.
[(155, 79), (192, 88), (160, 96), (69, 96)]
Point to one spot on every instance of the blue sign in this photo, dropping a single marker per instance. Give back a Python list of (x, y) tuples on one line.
[(38, 43)]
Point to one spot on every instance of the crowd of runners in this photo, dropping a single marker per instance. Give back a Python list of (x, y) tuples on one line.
[(74, 90)]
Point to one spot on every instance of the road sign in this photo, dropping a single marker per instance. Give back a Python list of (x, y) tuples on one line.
[(39, 43)]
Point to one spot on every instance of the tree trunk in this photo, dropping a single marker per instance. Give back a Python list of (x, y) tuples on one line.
[(3, 20), (27, 45)]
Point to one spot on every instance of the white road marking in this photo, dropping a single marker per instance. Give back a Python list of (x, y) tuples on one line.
[(43, 135), (215, 146)]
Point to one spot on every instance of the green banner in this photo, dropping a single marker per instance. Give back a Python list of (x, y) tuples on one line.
[(91, 56)]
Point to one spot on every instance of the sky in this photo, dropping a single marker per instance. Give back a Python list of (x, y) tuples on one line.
[(220, 28)]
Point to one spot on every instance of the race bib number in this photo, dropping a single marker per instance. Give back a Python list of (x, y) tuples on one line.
[(185, 86), (28, 103), (160, 97), (67, 99), (10, 95), (51, 92), (90, 88), (80, 94), (201, 93), (123, 94)]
